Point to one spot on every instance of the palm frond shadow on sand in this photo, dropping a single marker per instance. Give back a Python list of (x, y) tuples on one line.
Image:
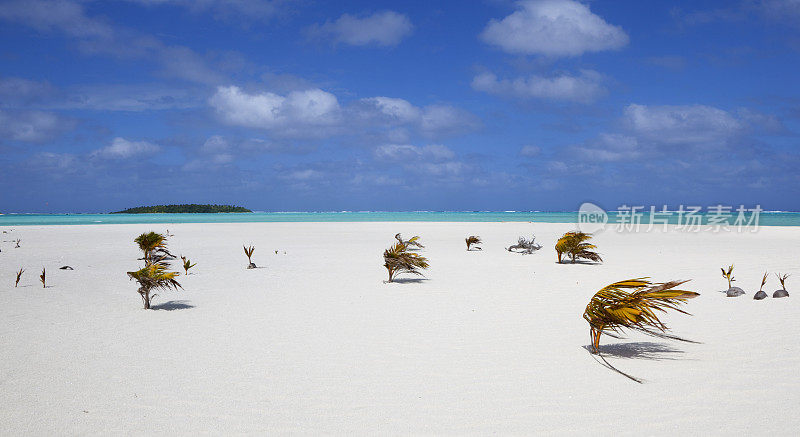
[(173, 305), (407, 280), (645, 350), (581, 262), (637, 350)]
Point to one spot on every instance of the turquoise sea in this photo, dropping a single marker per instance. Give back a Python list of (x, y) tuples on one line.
[(764, 218)]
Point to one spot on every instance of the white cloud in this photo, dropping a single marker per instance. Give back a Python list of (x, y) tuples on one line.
[(228, 10), (397, 110), (317, 113), (682, 125), (553, 28), (385, 28), (215, 144), (292, 114), (530, 151), (121, 148), (56, 15), (407, 152), (610, 148), (32, 126), (584, 88), (446, 120)]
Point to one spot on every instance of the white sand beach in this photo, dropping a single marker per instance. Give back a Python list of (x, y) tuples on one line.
[(315, 343)]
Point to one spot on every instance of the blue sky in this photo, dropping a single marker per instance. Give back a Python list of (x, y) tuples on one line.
[(419, 105)]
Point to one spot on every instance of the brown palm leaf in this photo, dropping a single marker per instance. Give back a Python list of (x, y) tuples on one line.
[(614, 308), (398, 260)]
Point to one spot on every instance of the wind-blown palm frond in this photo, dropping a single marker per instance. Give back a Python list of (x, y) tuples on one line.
[(473, 240), (398, 260), (614, 308), (154, 277), (154, 247), (574, 245)]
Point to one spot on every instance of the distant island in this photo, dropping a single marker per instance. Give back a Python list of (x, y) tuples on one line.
[(191, 208)]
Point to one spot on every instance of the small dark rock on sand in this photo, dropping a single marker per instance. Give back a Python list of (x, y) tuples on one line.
[(252, 266), (66, 268), (734, 292), (760, 295), (780, 293)]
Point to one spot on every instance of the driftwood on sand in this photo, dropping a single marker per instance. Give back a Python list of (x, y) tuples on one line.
[(524, 246)]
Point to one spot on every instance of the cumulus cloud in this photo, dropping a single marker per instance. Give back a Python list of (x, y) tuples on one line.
[(672, 131), (385, 28), (682, 125), (553, 28), (292, 113), (314, 113), (32, 126), (120, 148), (584, 88), (407, 152)]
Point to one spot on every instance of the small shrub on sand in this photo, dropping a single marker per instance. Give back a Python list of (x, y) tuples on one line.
[(249, 252), (187, 264), (153, 277), (19, 276), (732, 291), (782, 292), (43, 278), (728, 275), (576, 246), (398, 260), (761, 295), (473, 240)]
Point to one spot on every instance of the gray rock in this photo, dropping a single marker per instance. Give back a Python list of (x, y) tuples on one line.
[(734, 292), (760, 295), (66, 268), (780, 293), (252, 266)]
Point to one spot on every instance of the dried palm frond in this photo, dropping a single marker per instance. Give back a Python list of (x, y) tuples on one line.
[(613, 308), (398, 260), (414, 241), (760, 295), (473, 240), (19, 276), (782, 279), (249, 252)]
